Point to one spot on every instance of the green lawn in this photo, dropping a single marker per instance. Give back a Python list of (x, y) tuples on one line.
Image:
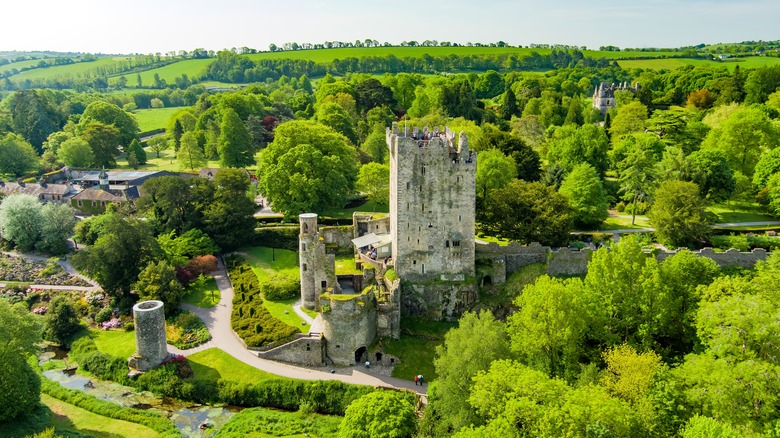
[(73, 419), (738, 212), (346, 213), (205, 295), (267, 261), (498, 240), (345, 264), (155, 118), (167, 161), (417, 347), (115, 343), (623, 223), (193, 68), (278, 309), (77, 69), (213, 364)]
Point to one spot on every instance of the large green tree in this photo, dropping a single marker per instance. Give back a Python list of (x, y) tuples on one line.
[(17, 156), (62, 321), (333, 115), (571, 145), (57, 227), (381, 414), (630, 118), (157, 281), (582, 188), (228, 217), (34, 115), (103, 139), (75, 152), (678, 214), (110, 114), (137, 150), (20, 332), (190, 155), (235, 144), (21, 220), (494, 171), (637, 178), (374, 181), (308, 167), (710, 171)]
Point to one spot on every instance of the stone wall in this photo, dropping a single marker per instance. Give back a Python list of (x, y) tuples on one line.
[(437, 300), (338, 237), (567, 263), (732, 257), (307, 350), (349, 325)]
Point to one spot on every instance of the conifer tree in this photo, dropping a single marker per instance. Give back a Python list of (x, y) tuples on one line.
[(234, 141)]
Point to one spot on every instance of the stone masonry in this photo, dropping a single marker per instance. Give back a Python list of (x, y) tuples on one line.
[(151, 345)]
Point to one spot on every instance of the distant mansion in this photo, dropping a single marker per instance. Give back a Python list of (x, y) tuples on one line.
[(604, 95)]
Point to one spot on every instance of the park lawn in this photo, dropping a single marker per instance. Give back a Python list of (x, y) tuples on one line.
[(205, 295), (498, 240), (267, 261), (417, 347), (278, 309), (346, 213), (155, 118), (623, 223), (167, 161), (70, 418), (213, 364), (263, 422), (345, 264), (117, 343), (738, 212)]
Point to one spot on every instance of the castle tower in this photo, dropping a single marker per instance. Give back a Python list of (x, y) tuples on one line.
[(307, 243), (150, 341), (432, 204)]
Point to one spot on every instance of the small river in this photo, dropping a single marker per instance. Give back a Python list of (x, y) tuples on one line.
[(187, 416)]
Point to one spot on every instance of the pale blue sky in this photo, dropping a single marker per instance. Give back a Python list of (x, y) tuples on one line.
[(148, 26)]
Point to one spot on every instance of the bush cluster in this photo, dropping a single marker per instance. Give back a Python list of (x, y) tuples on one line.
[(250, 319), (277, 237), (745, 243), (280, 287), (186, 330)]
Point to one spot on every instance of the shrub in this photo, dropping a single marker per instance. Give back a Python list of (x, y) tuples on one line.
[(620, 207), (186, 330), (280, 287), (104, 315)]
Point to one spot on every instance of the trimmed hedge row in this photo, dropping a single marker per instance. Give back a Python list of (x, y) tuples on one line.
[(250, 319), (111, 410), (277, 237)]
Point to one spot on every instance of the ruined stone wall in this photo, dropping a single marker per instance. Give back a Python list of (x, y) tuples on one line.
[(349, 324), (565, 262), (389, 315), (432, 196), (304, 350), (365, 223), (437, 300), (338, 237), (318, 270)]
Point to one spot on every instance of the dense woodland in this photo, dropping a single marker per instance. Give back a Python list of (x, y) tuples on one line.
[(635, 348)]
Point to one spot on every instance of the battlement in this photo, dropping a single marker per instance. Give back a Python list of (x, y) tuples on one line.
[(427, 141)]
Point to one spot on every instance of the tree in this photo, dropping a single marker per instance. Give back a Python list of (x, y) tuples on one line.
[(20, 332), (159, 143), (370, 93), (705, 427), (334, 116), (630, 118), (468, 349), (548, 329), (678, 214), (56, 228), (509, 105), (34, 115), (158, 281), (528, 212), (637, 178), (190, 155), (118, 255), (171, 204), (136, 149), (21, 221), (383, 414), (570, 146), (768, 165), (62, 321), (110, 114), (234, 142), (191, 244), (582, 188), (17, 156), (574, 113), (308, 167), (526, 159), (376, 145), (76, 152), (711, 172), (494, 171), (103, 140), (229, 219), (374, 181)]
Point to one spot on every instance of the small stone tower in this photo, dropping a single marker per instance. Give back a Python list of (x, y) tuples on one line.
[(150, 342), (103, 179), (317, 268), (432, 204)]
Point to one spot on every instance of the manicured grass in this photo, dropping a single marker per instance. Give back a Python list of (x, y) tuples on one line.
[(205, 295), (673, 63), (498, 240), (267, 261), (118, 343), (417, 347), (345, 264), (167, 161), (278, 309), (738, 212), (214, 364), (346, 213), (70, 418), (623, 223), (155, 118)]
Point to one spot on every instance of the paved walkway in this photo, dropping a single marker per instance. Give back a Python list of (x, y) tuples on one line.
[(217, 320), (297, 308)]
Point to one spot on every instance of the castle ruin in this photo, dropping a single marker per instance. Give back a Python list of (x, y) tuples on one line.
[(604, 95)]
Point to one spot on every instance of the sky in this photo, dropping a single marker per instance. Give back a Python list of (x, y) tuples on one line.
[(150, 26)]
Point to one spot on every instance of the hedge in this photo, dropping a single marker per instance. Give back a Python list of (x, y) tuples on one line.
[(277, 237), (745, 243), (250, 319)]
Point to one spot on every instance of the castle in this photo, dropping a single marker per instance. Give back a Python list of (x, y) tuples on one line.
[(604, 95)]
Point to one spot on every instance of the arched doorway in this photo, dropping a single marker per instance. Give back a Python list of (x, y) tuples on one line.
[(359, 353), (487, 281)]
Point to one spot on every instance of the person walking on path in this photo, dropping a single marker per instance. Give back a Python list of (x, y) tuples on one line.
[(420, 379), (415, 379)]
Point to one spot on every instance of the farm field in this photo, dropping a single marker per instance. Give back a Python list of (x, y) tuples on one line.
[(77, 69), (673, 63), (191, 67), (154, 118), (19, 65)]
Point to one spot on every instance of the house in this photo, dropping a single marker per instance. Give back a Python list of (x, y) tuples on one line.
[(42, 190), (91, 178)]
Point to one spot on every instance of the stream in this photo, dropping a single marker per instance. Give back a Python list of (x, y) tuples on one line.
[(186, 416)]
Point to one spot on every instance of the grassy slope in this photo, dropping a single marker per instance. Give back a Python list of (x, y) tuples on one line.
[(749, 62), (417, 347), (738, 212), (70, 418), (205, 296), (278, 309), (213, 364), (116, 343), (266, 261), (155, 118), (76, 69), (193, 68)]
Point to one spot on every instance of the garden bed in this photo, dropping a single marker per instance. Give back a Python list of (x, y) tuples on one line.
[(21, 269)]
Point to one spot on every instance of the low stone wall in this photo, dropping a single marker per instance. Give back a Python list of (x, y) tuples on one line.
[(732, 257), (304, 350), (567, 263), (340, 237)]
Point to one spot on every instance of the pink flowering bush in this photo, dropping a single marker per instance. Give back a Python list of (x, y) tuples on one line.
[(111, 323), (40, 310)]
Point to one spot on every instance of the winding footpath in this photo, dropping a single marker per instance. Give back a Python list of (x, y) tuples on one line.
[(217, 320)]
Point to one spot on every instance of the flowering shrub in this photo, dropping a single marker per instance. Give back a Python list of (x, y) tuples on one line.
[(111, 323), (94, 297), (40, 310)]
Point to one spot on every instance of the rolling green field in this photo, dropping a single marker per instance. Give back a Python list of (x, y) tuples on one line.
[(155, 118), (20, 65), (213, 364), (673, 63), (77, 69), (192, 67)]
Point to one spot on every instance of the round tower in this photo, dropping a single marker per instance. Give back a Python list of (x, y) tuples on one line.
[(150, 342), (307, 240)]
